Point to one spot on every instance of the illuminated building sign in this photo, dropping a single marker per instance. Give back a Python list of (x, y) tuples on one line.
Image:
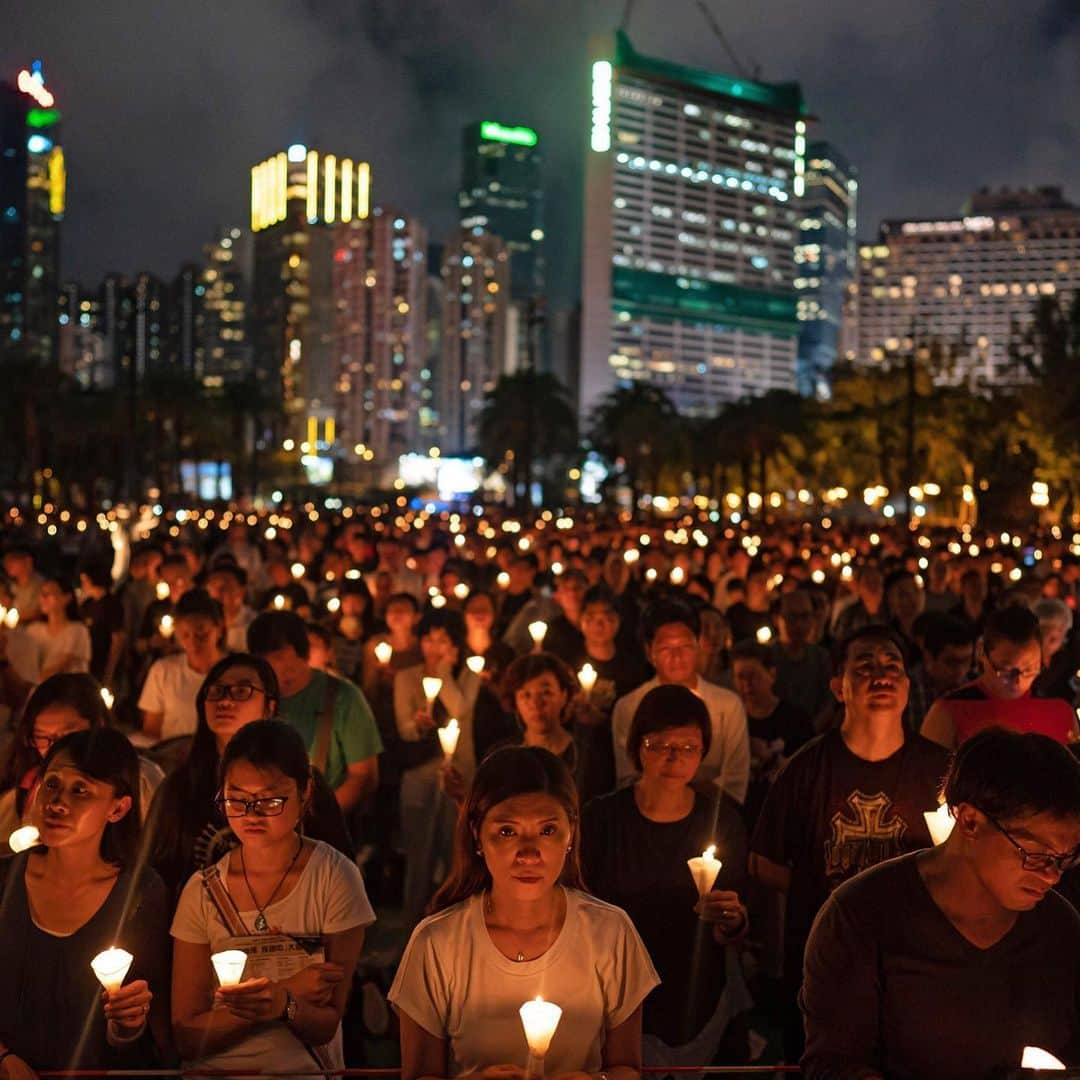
[(516, 136), (344, 193), (57, 182), (968, 224), (42, 118), (33, 83), (600, 138)]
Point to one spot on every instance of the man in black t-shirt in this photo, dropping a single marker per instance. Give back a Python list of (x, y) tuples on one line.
[(849, 799)]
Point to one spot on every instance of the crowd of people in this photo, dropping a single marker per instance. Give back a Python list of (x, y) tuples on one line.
[(515, 743)]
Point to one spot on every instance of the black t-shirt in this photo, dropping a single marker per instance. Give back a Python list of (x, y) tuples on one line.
[(893, 987), (103, 617), (640, 866), (51, 1012), (831, 814), (773, 739), (563, 639), (745, 622)]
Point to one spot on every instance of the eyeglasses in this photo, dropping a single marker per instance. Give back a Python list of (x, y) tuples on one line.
[(667, 749), (233, 691), (1039, 860), (1013, 674), (268, 806)]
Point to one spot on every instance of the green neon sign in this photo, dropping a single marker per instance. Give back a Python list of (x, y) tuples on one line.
[(42, 118), (516, 136)]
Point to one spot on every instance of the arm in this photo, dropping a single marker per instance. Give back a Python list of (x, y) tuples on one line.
[(770, 874), (199, 1030), (152, 723), (423, 1055), (622, 1049), (938, 726), (405, 707), (620, 728), (734, 776), (116, 651), (360, 781)]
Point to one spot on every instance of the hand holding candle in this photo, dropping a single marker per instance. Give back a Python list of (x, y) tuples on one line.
[(587, 678), (229, 966), (448, 737), (111, 967), (432, 684), (384, 652), (539, 1018)]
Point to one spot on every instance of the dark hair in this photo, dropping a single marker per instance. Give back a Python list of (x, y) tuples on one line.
[(273, 630), (230, 568), (1010, 775), (665, 707), (571, 573), (198, 603), (448, 620), (99, 572), (107, 756), (600, 594), (752, 650), (71, 609), (528, 558), (403, 598), (80, 692), (941, 631), (532, 666), (664, 613), (871, 632), (315, 629), (502, 775), (482, 594), (1014, 623), (269, 744)]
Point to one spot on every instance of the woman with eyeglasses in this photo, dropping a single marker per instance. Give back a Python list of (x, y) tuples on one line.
[(58, 706), (949, 961), (635, 846), (186, 828), (294, 906)]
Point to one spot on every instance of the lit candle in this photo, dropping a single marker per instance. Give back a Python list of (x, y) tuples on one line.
[(678, 575), (461, 590), (537, 631), (107, 697), (764, 635), (448, 737), (297, 570), (23, 838), (333, 605), (229, 966), (279, 602), (11, 618), (587, 677), (650, 574), (438, 601), (166, 626), (432, 685), (1037, 1058), (704, 869), (475, 664), (556, 568), (539, 1018), (111, 967), (503, 580), (940, 823), (631, 555), (161, 590), (384, 652)]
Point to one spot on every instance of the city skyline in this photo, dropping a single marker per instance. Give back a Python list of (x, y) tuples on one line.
[(232, 87)]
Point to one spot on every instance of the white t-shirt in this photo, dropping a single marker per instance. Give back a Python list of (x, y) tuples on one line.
[(456, 985), (328, 899), (170, 689), (73, 640)]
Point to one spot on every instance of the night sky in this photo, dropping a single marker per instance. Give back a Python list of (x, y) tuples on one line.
[(167, 104)]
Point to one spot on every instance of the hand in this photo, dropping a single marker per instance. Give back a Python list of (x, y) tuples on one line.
[(724, 909), (424, 721), (453, 783), (258, 1000), (499, 1072), (14, 1068), (586, 713), (316, 984), (127, 1008)]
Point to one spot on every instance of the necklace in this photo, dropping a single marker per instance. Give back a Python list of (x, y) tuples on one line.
[(489, 909), (261, 924)]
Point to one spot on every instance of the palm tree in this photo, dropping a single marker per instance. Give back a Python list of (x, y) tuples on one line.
[(525, 418)]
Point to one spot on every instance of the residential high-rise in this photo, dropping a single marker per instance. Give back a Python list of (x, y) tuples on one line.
[(967, 282), (825, 262), (297, 197), (691, 220), (380, 293), (32, 197), (476, 345), (226, 350), (184, 337)]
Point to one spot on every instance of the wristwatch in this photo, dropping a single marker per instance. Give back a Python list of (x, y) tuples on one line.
[(288, 1014)]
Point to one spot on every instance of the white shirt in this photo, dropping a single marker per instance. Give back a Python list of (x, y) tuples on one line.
[(236, 631), (727, 764), (456, 985), (73, 641), (328, 899), (170, 689)]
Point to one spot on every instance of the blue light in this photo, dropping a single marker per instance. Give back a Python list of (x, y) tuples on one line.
[(38, 144)]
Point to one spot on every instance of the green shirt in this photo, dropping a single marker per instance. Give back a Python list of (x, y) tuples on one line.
[(354, 736)]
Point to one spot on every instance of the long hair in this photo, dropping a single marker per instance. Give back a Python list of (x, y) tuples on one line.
[(502, 775)]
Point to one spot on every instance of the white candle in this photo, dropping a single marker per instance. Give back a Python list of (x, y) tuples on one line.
[(229, 966), (107, 697), (540, 1018), (940, 823), (11, 618), (631, 555), (333, 605), (166, 626), (297, 570), (1037, 1058), (538, 631), (556, 568), (461, 590), (678, 575), (475, 664), (111, 967), (650, 574), (161, 590), (384, 652), (438, 601), (279, 602), (503, 580), (587, 677), (432, 685), (764, 635), (23, 838), (704, 869), (448, 737)]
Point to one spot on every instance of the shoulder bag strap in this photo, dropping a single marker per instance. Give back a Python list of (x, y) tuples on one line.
[(324, 725)]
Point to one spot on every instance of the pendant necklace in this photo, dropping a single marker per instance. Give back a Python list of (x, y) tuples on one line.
[(488, 909), (261, 925)]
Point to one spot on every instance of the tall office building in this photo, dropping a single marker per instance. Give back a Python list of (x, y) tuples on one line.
[(825, 260), (691, 220), (225, 348), (476, 346), (184, 339), (380, 294), (297, 197), (83, 353), (32, 197), (966, 282)]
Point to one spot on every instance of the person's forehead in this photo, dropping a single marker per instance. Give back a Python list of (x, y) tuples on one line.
[(672, 631), (532, 806), (544, 681), (874, 647), (596, 609), (238, 674)]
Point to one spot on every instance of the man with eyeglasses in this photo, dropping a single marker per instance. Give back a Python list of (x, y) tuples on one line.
[(947, 962), (847, 800), (1011, 657)]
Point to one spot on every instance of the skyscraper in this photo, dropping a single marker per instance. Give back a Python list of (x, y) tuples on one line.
[(825, 261), (226, 351), (691, 188), (297, 197), (32, 197)]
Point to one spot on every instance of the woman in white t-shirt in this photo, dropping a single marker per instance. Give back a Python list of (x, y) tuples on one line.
[(296, 907), (512, 922), (63, 641)]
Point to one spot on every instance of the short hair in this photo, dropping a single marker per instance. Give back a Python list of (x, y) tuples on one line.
[(600, 595), (1013, 623), (99, 572), (404, 598), (446, 619), (662, 708), (1010, 775), (896, 577), (316, 630), (270, 744), (664, 613), (175, 560), (531, 666), (870, 632), (943, 631), (529, 559), (232, 569), (1051, 608), (198, 603), (753, 651), (273, 630)]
